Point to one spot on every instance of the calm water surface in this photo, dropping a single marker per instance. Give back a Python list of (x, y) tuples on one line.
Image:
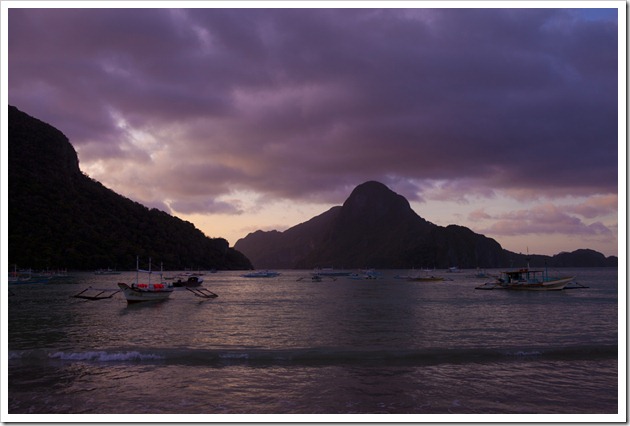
[(284, 345)]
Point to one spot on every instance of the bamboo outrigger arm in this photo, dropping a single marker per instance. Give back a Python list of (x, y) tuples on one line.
[(202, 292), (103, 294)]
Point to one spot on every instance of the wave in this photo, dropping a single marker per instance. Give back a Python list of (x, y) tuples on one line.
[(318, 356), (104, 356)]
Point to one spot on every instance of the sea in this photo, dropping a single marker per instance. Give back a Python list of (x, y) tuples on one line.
[(288, 348)]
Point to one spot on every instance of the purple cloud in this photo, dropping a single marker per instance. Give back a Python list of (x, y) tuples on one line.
[(543, 219), (304, 104), (596, 206)]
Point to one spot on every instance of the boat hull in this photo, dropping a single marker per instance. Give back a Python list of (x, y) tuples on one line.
[(134, 295), (557, 284), (193, 281), (329, 272)]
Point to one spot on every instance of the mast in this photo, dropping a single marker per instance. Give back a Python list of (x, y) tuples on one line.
[(527, 258)]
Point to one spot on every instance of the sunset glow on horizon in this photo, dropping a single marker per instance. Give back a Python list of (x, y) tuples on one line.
[(504, 120)]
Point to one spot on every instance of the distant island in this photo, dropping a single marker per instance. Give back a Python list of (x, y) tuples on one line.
[(376, 228), (60, 218)]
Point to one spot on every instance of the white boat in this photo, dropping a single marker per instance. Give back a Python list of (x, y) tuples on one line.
[(26, 276), (18, 277), (422, 276), (330, 272), (261, 274), (365, 274), (427, 278), (527, 280), (107, 271), (146, 292)]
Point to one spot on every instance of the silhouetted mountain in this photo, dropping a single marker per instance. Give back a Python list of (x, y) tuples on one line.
[(584, 258), (60, 218), (377, 228)]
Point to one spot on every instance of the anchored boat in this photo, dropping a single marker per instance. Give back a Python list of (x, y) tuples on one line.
[(526, 279), (427, 278), (422, 276), (191, 281), (330, 272), (146, 292)]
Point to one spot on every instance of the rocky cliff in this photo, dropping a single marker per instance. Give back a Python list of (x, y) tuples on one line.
[(60, 218)]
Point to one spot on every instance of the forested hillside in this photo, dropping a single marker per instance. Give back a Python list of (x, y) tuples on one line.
[(60, 218)]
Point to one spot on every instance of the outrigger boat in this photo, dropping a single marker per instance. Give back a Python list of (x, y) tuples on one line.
[(528, 280), (191, 281), (140, 292)]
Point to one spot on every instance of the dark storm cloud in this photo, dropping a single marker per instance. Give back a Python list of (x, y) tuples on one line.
[(303, 104)]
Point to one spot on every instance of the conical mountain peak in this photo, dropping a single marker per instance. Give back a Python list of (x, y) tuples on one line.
[(375, 200), (375, 227), (372, 189)]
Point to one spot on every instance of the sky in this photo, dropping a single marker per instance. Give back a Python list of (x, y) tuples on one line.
[(501, 119)]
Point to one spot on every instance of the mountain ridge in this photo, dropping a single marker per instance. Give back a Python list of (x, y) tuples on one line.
[(375, 227), (61, 218)]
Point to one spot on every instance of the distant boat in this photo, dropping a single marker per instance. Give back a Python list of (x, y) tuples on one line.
[(106, 272), (20, 277), (26, 276), (366, 274), (190, 281), (261, 274), (317, 278), (14, 277), (421, 276), (527, 280), (426, 278), (56, 274), (145, 292), (330, 272)]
